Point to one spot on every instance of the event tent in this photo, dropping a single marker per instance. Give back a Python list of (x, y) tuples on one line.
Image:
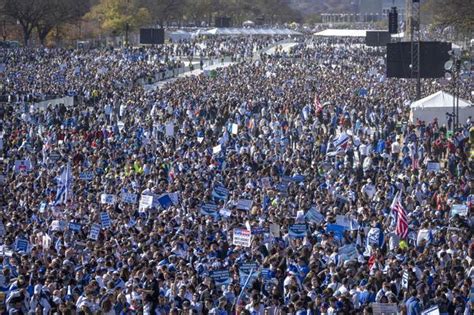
[(436, 106), (248, 31), (347, 33)]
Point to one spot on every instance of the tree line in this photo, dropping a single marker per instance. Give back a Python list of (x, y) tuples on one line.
[(115, 17)]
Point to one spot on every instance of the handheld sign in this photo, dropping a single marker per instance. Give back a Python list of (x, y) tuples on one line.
[(433, 167), (129, 198), (169, 129), (220, 193), (461, 210), (108, 199), (165, 201), (146, 202), (94, 232), (105, 220), (209, 209), (23, 166), (434, 310), (86, 176), (348, 252), (384, 309), (244, 204), (405, 279), (21, 245), (314, 215), (75, 227), (248, 272), (242, 237), (338, 230), (220, 277), (297, 230)]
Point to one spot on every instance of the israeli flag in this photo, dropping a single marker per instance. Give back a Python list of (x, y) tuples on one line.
[(64, 190)]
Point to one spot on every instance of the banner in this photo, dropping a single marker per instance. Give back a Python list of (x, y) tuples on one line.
[(433, 167), (105, 220), (348, 252), (220, 193), (241, 237), (94, 232)]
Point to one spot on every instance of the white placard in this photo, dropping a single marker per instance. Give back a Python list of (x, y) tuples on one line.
[(275, 230), (235, 129), (217, 149), (434, 310), (95, 231), (108, 199), (241, 237), (146, 202), (384, 309)]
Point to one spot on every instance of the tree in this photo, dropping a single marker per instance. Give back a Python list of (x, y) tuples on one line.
[(115, 16), (60, 12), (455, 13), (27, 12), (164, 11)]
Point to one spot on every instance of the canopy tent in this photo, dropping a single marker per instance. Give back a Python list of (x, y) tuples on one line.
[(348, 33), (178, 35), (436, 106), (247, 31)]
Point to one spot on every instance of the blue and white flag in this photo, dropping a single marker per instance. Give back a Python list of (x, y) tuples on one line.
[(65, 181)]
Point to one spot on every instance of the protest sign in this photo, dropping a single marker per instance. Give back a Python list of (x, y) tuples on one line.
[(241, 237), (105, 220), (433, 167), (248, 271), (129, 198), (21, 245), (75, 227), (313, 215), (94, 232), (259, 230), (220, 193), (146, 202), (209, 209), (165, 201), (23, 166), (226, 213), (384, 309), (337, 230), (405, 279), (244, 204), (266, 182), (86, 176), (58, 226), (108, 199), (458, 209), (349, 223), (220, 277), (348, 252), (297, 230), (235, 129), (433, 310), (217, 149), (169, 129), (275, 230)]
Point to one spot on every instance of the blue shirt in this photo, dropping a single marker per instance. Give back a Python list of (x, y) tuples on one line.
[(413, 306)]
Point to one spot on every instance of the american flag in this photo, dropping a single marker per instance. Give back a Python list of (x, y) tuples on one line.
[(401, 216), (317, 104)]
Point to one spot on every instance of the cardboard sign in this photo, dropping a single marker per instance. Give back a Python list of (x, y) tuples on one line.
[(297, 230), (129, 198), (244, 204), (94, 232), (108, 199), (220, 277), (242, 237)]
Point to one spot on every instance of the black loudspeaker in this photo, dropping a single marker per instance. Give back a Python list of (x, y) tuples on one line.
[(377, 38), (222, 21), (433, 56), (152, 36), (393, 21)]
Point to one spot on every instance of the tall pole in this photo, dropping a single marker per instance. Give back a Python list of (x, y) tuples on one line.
[(415, 45)]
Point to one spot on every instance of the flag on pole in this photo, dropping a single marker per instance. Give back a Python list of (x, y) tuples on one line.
[(64, 190), (400, 215)]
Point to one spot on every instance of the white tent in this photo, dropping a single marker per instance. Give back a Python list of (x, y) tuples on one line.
[(248, 31), (178, 35), (436, 106), (349, 33)]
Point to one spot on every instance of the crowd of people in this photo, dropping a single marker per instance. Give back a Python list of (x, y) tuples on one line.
[(280, 185)]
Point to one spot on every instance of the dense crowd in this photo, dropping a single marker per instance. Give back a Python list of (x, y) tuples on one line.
[(268, 188)]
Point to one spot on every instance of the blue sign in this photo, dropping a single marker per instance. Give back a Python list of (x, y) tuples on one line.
[(87, 176), (75, 227), (21, 245), (338, 230), (313, 216), (165, 201), (248, 270), (220, 277), (297, 230), (220, 193), (209, 209), (105, 220)]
